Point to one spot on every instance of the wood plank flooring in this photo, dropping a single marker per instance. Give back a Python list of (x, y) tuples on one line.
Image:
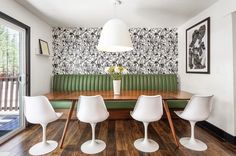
[(119, 136)]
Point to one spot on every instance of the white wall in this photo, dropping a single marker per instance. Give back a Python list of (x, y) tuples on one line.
[(234, 53), (41, 66), (220, 81)]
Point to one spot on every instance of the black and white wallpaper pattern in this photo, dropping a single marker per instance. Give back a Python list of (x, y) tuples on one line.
[(155, 51)]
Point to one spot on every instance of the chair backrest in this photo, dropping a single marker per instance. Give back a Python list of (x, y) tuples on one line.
[(91, 109), (148, 108), (198, 108), (38, 110)]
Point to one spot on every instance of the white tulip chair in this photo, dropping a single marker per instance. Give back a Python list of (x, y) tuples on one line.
[(92, 109), (38, 110), (147, 109), (198, 109)]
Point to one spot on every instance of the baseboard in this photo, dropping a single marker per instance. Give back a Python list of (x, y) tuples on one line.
[(217, 132)]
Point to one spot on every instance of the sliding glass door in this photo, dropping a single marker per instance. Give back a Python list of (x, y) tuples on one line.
[(13, 80)]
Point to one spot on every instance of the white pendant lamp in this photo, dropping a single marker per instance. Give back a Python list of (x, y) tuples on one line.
[(115, 36)]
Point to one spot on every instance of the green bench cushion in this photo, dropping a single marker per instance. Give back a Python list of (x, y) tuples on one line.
[(109, 104), (60, 104), (120, 104), (177, 103), (161, 82), (90, 82)]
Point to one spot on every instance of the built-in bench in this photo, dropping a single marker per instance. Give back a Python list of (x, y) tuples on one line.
[(160, 82)]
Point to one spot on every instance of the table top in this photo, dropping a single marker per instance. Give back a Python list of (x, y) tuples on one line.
[(125, 95)]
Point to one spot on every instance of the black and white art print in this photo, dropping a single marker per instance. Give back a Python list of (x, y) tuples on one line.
[(198, 48)]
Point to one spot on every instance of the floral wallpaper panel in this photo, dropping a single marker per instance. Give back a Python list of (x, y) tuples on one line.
[(155, 51)]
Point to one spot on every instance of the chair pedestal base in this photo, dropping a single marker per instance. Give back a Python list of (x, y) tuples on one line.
[(146, 146), (43, 148), (195, 144), (90, 147)]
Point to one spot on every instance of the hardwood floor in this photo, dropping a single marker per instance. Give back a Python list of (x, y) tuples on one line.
[(119, 136)]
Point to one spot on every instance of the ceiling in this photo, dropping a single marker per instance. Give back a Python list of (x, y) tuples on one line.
[(136, 13)]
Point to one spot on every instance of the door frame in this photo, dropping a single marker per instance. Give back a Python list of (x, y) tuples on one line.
[(27, 64), (27, 47)]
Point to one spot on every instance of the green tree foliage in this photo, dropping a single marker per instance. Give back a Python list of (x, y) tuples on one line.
[(9, 52)]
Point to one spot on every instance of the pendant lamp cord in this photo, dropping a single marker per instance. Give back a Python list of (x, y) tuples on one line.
[(115, 5)]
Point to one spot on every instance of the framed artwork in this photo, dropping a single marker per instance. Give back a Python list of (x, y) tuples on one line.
[(43, 45), (198, 48)]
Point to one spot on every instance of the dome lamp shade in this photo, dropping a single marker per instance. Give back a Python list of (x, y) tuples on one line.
[(115, 37)]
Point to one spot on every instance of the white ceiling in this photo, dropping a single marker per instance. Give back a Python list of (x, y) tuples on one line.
[(136, 13)]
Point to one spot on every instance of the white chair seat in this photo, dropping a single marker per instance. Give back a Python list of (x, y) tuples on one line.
[(59, 114), (143, 119), (197, 109), (38, 110), (178, 113), (93, 119), (147, 109), (92, 109)]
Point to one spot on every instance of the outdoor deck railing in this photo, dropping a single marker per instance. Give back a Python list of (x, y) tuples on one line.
[(9, 87)]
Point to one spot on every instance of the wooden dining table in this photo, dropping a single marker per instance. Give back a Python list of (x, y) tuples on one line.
[(125, 95)]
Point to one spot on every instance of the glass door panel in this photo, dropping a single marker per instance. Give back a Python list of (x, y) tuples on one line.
[(12, 79)]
